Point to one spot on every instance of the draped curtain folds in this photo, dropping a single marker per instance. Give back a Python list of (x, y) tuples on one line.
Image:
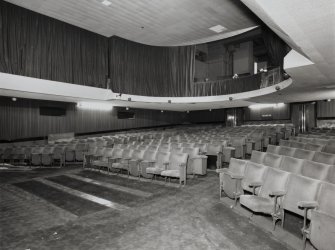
[(150, 71), (34, 45), (276, 47)]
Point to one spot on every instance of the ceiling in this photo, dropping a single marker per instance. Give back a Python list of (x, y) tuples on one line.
[(164, 22), (309, 28)]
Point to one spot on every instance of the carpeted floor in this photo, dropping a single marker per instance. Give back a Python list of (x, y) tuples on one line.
[(35, 215)]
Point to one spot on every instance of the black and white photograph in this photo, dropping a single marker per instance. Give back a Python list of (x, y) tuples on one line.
[(167, 124)]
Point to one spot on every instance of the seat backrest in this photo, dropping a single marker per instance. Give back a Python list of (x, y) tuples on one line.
[(153, 148), (176, 150), (187, 144), (300, 188), (237, 166), (296, 144), (254, 172), (48, 150), (272, 160), (287, 151), (201, 146), (257, 156), (100, 151), (324, 158), (314, 147), (191, 151), (275, 180), (315, 170), (320, 141), (329, 149), (284, 143), (214, 149), (161, 158), (272, 149), (304, 154), (326, 199), (175, 145), (331, 175), (150, 155), (138, 154), (36, 150), (292, 165), (164, 148), (177, 159), (117, 153), (109, 152)]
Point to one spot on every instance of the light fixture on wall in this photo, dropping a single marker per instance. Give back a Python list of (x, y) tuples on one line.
[(162, 111), (127, 108), (277, 88), (169, 101), (14, 99), (266, 105), (230, 98), (103, 106), (210, 110), (129, 99)]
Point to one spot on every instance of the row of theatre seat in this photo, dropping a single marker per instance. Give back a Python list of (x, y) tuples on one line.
[(276, 190), (177, 163), (236, 142), (316, 144)]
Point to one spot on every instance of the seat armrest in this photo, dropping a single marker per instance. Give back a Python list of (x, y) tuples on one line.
[(198, 157), (255, 184), (221, 170), (308, 204), (182, 165), (277, 193), (234, 176)]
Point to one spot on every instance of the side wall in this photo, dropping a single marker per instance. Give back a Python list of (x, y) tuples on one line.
[(21, 119)]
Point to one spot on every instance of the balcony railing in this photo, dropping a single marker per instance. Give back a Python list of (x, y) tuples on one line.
[(237, 85)]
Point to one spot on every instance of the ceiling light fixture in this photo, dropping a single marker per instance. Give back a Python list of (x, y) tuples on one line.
[(218, 28), (14, 99), (106, 2)]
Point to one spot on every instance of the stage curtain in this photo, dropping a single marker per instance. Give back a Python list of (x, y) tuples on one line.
[(42, 47), (150, 70), (275, 46)]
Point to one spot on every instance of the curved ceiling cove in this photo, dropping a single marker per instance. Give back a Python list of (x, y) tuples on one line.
[(159, 23)]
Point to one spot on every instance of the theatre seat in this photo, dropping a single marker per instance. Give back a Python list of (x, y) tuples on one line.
[(315, 170), (257, 156), (254, 173), (314, 147), (322, 222), (300, 188), (215, 150), (47, 159), (149, 158), (324, 158), (161, 160), (295, 144), (272, 149), (135, 161), (285, 143), (292, 165), (230, 179), (122, 163), (331, 175), (176, 150), (196, 164), (303, 154), (272, 160), (36, 155), (270, 193), (287, 151), (176, 167), (102, 161)]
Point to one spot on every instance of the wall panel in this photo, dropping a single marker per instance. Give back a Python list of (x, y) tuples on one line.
[(273, 113), (326, 109), (21, 119)]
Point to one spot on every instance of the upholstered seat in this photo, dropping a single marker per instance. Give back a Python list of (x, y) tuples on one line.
[(176, 167), (292, 165), (304, 154), (272, 160), (257, 157), (324, 158), (272, 149), (196, 164), (257, 204), (162, 159), (254, 173), (315, 170)]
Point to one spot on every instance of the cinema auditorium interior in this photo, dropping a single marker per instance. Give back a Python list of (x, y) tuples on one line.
[(167, 124)]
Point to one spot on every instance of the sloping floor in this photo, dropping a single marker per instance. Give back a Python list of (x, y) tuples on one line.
[(76, 209)]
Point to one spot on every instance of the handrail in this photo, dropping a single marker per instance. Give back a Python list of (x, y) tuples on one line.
[(237, 85)]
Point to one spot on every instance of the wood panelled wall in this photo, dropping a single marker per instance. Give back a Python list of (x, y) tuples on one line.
[(273, 113), (39, 46), (21, 119), (326, 109)]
